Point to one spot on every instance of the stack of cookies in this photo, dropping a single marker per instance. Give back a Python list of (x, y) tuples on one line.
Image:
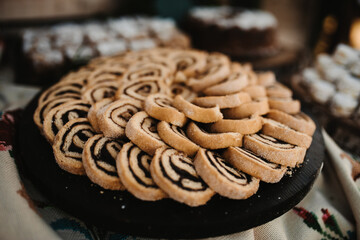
[(180, 124)]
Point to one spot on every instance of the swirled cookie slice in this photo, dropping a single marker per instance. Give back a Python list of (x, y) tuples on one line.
[(234, 83), (266, 78), (287, 105), (44, 108), (300, 122), (99, 160), (257, 166), (199, 114), (62, 114), (133, 167), (94, 109), (224, 178), (183, 90), (107, 71), (142, 130), (284, 133), (217, 69), (141, 88), (188, 63), (176, 138), (98, 91), (244, 126), (113, 117), (274, 150), (228, 101), (175, 173), (69, 144), (139, 70), (277, 90), (61, 90), (213, 140), (255, 91), (159, 106), (258, 106)]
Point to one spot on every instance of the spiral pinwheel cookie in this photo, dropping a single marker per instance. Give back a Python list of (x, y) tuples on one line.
[(175, 174), (106, 71), (139, 70), (112, 118), (234, 83), (159, 106), (257, 166), (244, 126), (183, 90), (141, 88), (62, 114), (45, 107), (196, 113), (227, 101), (258, 106), (213, 140), (188, 63), (99, 161), (217, 69), (277, 90), (266, 78), (142, 130), (255, 91), (69, 144), (274, 150), (133, 167), (284, 133), (222, 177), (175, 137), (287, 105), (98, 91), (94, 109), (300, 122), (61, 90)]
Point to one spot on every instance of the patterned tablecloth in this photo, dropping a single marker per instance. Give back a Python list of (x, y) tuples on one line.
[(331, 210)]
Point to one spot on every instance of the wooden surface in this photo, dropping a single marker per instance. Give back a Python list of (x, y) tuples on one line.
[(121, 212)]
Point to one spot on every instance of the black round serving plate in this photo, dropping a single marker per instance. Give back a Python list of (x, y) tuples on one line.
[(120, 211)]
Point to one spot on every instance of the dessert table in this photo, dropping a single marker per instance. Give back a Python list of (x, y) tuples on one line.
[(329, 211)]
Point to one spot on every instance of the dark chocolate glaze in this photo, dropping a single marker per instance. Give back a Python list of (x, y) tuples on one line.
[(141, 166), (182, 173), (214, 157)]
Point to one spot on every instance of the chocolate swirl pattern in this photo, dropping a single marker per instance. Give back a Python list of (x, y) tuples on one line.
[(69, 144), (217, 69), (61, 90), (99, 91), (255, 165), (107, 71), (142, 130), (62, 114), (43, 109), (175, 173), (274, 150), (222, 177), (141, 70), (184, 91), (176, 138), (188, 63), (159, 106), (142, 88), (99, 161), (94, 109), (133, 166), (114, 117)]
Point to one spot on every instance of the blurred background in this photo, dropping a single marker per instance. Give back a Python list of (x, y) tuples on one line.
[(303, 27)]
